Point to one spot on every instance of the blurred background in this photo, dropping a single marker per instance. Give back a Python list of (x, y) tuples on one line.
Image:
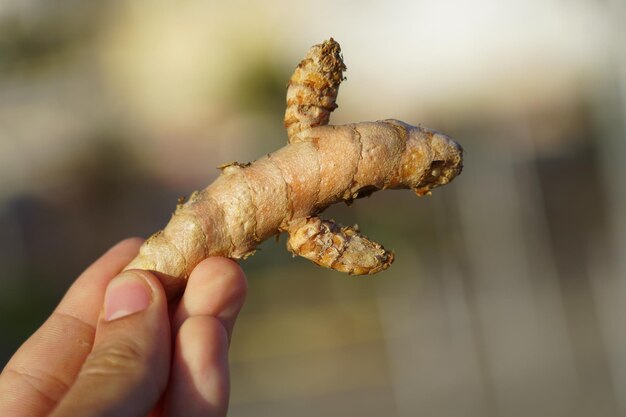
[(508, 294)]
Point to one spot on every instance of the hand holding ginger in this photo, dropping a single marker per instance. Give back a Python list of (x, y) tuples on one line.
[(286, 190), (112, 348)]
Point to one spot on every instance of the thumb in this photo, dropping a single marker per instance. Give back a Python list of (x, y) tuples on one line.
[(127, 370)]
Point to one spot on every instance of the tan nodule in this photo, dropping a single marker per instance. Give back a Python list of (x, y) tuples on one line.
[(341, 248), (285, 191), (313, 87)]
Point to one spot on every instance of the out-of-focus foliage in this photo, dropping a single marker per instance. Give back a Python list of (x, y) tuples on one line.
[(46, 37)]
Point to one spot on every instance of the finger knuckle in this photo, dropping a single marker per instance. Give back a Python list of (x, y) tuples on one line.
[(121, 357)]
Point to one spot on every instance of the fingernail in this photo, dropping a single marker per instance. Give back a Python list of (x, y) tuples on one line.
[(126, 294)]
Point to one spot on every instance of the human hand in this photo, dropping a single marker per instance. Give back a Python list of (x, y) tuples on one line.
[(112, 348)]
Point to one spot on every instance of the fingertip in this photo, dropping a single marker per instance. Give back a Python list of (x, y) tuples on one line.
[(150, 279), (217, 287), (128, 246), (219, 265), (223, 276), (133, 292), (128, 293)]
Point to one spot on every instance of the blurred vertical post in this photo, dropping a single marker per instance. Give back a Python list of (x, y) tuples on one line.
[(609, 267)]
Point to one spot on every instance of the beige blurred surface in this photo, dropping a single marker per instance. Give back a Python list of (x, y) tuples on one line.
[(508, 291)]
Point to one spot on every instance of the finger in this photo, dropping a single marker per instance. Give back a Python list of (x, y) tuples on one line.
[(41, 371), (217, 287), (204, 322), (127, 370), (199, 383)]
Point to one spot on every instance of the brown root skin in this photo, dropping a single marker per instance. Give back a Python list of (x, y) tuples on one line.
[(313, 87), (284, 191), (343, 249)]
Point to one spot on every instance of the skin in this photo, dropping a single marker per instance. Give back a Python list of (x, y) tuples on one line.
[(165, 360)]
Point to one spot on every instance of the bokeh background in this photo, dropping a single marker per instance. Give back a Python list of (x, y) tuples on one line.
[(508, 296)]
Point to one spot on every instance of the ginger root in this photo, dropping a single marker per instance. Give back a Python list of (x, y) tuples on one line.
[(285, 190)]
